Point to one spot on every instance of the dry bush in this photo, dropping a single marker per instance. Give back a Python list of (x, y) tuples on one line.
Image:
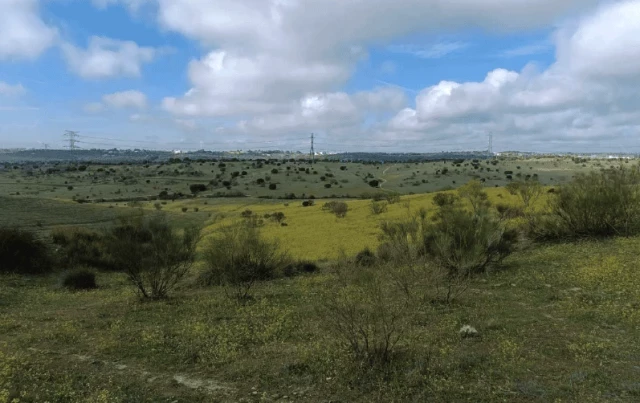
[(378, 207), (366, 310), (338, 208)]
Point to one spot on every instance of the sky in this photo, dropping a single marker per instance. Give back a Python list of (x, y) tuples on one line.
[(362, 75)]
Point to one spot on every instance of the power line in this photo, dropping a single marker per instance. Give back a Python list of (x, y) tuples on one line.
[(72, 136), (312, 154)]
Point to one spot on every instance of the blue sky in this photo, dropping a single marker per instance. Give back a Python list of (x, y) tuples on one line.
[(224, 74)]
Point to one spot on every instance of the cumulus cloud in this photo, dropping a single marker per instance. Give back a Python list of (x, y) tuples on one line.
[(275, 67), (588, 94), (105, 58), (269, 52), (11, 90), (23, 33), (119, 100)]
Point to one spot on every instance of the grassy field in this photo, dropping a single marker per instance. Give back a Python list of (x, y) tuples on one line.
[(557, 322), (119, 183)]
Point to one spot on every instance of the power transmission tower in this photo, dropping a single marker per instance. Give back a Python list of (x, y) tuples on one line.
[(490, 149), (312, 153), (72, 136)]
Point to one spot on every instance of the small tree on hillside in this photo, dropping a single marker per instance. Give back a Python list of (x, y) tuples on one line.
[(474, 192), (529, 190), (154, 255)]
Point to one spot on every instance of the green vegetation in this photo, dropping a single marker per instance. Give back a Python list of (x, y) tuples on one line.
[(21, 252), (428, 297), (152, 254), (79, 279)]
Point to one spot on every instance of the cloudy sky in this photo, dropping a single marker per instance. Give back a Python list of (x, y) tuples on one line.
[(365, 75)]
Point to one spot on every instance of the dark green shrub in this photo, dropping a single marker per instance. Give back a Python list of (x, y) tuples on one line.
[(79, 246), (21, 252), (154, 255), (465, 242), (79, 279), (597, 204), (238, 256), (445, 199), (366, 258), (197, 188), (272, 186), (296, 268)]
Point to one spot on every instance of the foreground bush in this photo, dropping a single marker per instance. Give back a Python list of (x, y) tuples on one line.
[(238, 256), (592, 205), (453, 246), (367, 312), (154, 255), (22, 253), (466, 243), (79, 279)]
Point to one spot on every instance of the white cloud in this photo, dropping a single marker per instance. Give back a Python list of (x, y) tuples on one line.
[(606, 44), (274, 68), (120, 100), (227, 84), (588, 94), (11, 90), (266, 54), (105, 58), (126, 99), (23, 33)]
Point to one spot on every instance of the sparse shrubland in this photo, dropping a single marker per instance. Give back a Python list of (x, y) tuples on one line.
[(417, 316)]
